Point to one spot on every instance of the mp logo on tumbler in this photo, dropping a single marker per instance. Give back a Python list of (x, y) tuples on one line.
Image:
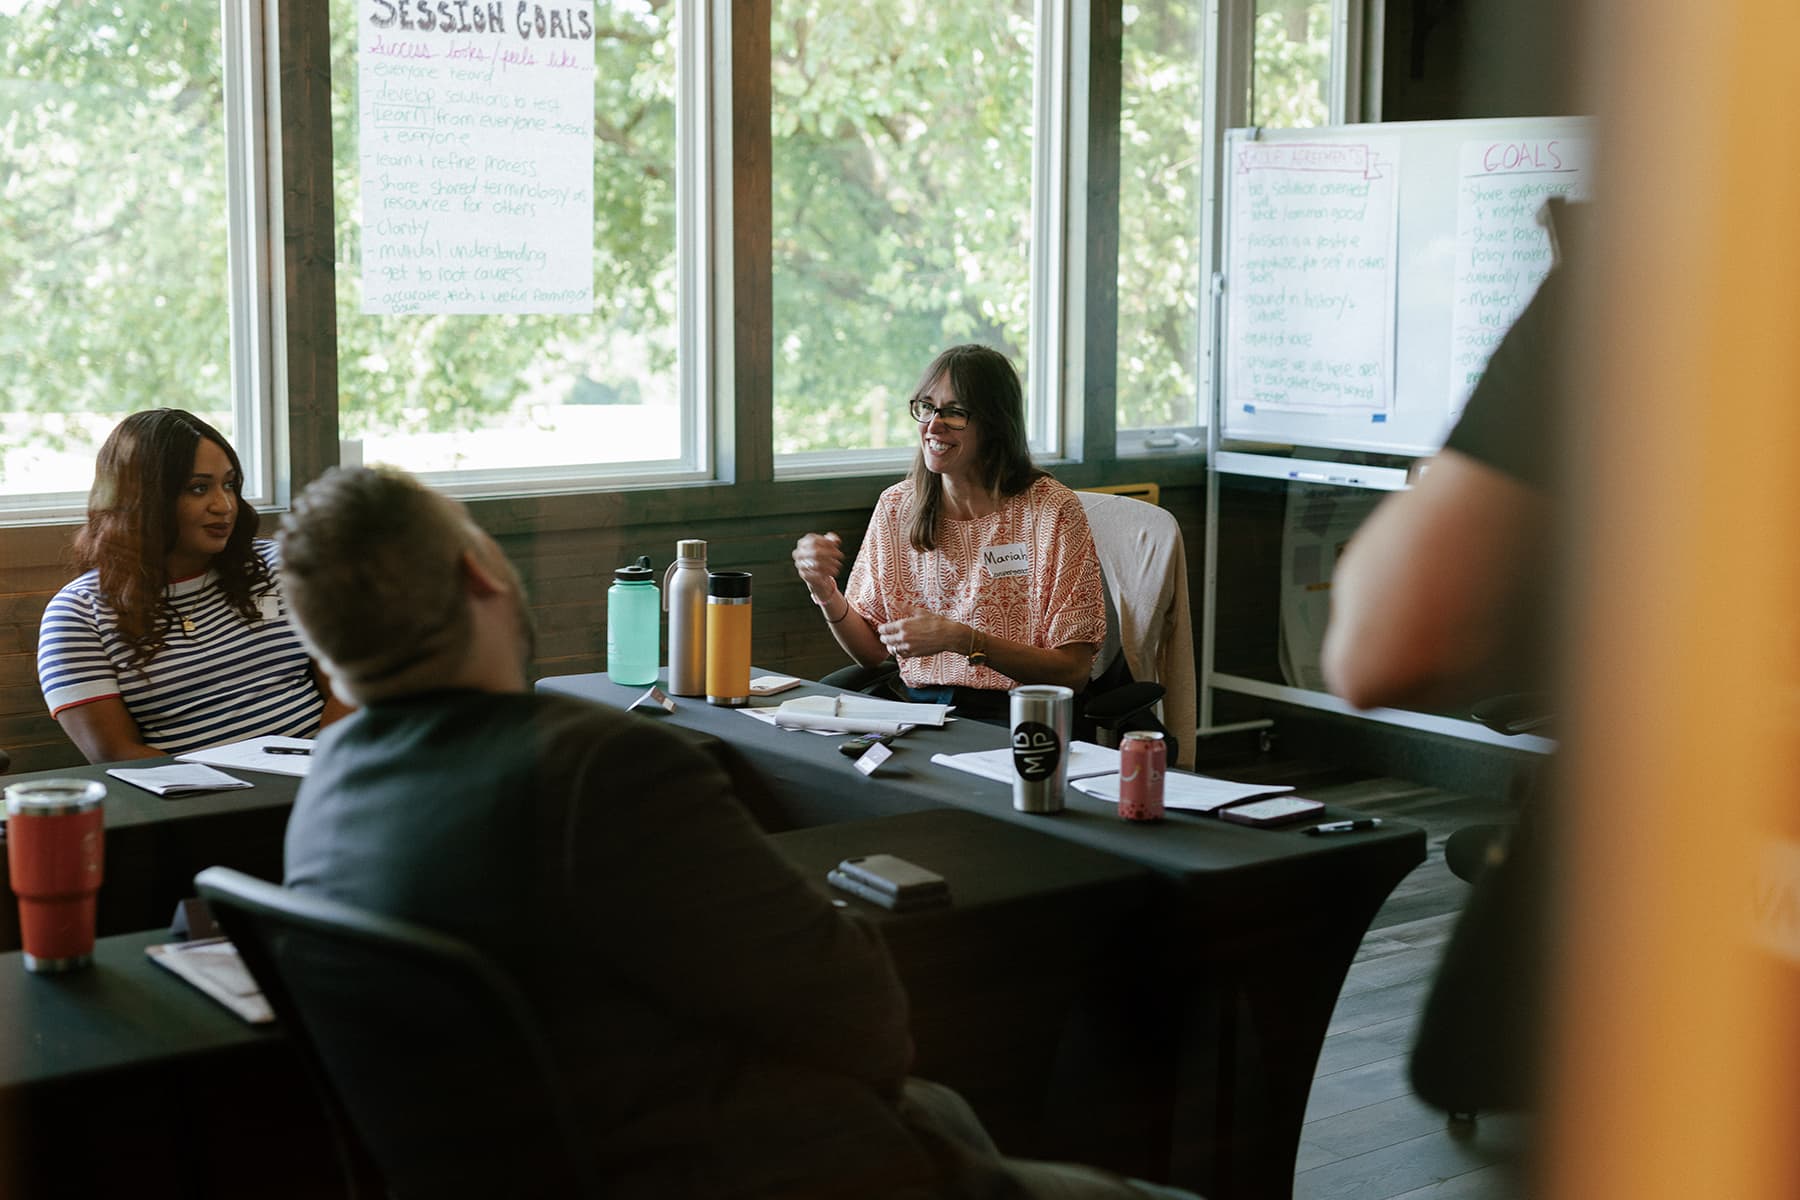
[(1036, 750)]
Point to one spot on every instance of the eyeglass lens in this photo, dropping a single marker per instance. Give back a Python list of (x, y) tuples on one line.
[(924, 410)]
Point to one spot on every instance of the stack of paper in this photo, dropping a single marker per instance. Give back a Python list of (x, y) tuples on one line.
[(1191, 793), (1085, 759), (177, 779), (213, 966), (273, 755), (857, 714)]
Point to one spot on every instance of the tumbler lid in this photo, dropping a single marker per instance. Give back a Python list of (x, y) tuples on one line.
[(691, 548), (1143, 735), (54, 797), (728, 585), (638, 572)]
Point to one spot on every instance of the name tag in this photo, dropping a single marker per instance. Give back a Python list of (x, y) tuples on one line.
[(269, 607), (1002, 561)]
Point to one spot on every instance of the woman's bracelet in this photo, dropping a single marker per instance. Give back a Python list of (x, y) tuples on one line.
[(825, 607)]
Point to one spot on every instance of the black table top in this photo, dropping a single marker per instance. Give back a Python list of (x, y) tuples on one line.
[(124, 1012), (1201, 853), (128, 806)]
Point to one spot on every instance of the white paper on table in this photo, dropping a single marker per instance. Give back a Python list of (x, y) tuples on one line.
[(178, 779), (1190, 793), (1085, 759), (767, 717), (865, 708), (252, 755)]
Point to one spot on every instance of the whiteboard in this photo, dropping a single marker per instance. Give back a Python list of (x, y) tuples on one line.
[(1370, 270)]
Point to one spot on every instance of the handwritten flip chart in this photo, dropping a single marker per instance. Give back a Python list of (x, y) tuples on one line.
[(477, 148), (1310, 265), (1502, 252)]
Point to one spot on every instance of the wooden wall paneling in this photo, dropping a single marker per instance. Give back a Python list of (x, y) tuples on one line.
[(309, 250), (752, 424), (1100, 360)]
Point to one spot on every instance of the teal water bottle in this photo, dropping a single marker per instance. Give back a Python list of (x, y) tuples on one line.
[(633, 625)]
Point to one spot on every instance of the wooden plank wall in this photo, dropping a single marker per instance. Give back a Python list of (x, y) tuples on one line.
[(566, 571)]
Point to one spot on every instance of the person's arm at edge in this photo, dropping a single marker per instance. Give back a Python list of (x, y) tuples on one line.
[(1426, 594), (104, 731)]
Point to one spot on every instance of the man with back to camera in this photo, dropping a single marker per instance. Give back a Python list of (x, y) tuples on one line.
[(729, 1032)]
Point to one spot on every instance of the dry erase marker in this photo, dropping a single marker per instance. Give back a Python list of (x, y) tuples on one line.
[(287, 750), (1346, 826)]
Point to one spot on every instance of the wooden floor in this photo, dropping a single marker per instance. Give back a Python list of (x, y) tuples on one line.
[(1366, 1136)]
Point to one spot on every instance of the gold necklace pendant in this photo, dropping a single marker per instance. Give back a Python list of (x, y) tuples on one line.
[(187, 626)]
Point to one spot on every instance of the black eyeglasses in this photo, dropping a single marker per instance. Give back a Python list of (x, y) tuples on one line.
[(953, 416)]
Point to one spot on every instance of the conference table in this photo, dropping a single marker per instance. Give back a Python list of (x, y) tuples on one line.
[(1237, 963), (155, 845), (121, 1079), (1191, 1010)]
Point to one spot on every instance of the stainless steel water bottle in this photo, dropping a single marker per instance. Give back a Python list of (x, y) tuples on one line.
[(1040, 744), (684, 598), (728, 638)]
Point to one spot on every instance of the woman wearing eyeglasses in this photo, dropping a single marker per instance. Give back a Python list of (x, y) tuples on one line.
[(978, 571)]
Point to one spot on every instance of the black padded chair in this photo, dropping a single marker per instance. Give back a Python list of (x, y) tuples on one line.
[(419, 1041)]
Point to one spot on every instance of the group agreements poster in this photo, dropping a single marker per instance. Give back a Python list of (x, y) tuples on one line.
[(477, 145)]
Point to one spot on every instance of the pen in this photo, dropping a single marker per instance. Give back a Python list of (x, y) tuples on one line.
[(287, 750), (1346, 826)]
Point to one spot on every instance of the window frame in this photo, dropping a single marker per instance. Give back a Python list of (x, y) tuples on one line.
[(288, 402), (253, 294)]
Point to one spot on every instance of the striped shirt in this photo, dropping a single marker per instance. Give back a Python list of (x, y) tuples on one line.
[(227, 680)]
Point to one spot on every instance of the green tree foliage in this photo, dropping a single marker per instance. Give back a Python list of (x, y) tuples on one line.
[(112, 213), (1160, 149), (901, 211), (901, 207), (1290, 63)]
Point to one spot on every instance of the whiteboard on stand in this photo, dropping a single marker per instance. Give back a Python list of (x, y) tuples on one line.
[(1370, 270)]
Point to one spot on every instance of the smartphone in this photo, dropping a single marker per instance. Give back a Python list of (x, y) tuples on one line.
[(856, 746), (768, 685)]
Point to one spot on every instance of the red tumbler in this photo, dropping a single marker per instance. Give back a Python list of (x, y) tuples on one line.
[(55, 850)]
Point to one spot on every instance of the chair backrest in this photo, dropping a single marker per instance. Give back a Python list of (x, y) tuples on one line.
[(1145, 564), (420, 1040)]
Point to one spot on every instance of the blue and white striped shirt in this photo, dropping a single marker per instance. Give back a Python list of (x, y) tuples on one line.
[(229, 679)]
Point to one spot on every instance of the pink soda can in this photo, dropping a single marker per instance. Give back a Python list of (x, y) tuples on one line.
[(1143, 757)]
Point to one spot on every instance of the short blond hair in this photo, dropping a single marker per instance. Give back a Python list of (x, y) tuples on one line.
[(371, 562)]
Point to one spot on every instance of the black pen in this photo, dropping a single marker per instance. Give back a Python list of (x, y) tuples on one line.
[(287, 749), (1346, 826)]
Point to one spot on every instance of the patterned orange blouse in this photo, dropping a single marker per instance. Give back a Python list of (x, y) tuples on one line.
[(1027, 573)]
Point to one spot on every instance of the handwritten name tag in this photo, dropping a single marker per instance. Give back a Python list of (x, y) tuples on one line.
[(1002, 561), (269, 607)]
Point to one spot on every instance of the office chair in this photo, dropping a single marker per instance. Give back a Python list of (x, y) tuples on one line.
[(1144, 561), (1479, 1037), (421, 1042)]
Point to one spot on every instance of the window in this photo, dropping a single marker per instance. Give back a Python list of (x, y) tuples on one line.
[(130, 269), (1290, 77), (504, 401), (1161, 148), (903, 206)]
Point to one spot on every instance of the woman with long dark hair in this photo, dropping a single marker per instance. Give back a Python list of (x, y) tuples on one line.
[(177, 636), (978, 571)]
